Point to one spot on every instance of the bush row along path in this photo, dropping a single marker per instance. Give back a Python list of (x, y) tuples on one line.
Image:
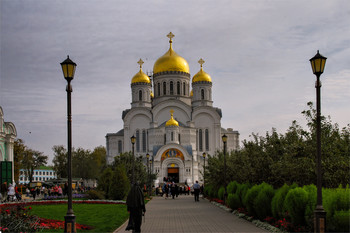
[(183, 214)]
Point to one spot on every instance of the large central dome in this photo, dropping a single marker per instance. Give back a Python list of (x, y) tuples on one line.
[(171, 61)]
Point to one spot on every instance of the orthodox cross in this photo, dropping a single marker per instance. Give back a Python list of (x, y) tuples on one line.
[(170, 36), (171, 112), (140, 63), (201, 61)]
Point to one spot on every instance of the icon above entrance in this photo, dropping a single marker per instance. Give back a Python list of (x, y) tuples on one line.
[(172, 153)]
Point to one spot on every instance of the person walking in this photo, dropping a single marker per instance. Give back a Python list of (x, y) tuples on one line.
[(136, 206), (4, 191), (196, 189)]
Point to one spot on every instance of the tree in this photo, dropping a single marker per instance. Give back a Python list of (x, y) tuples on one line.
[(32, 160), (60, 161), (18, 152), (120, 185)]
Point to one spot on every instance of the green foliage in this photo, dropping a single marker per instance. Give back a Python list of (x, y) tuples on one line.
[(60, 161), (232, 187), (295, 204), (280, 159), (17, 219), (207, 190), (336, 200), (341, 221), (310, 205), (241, 191), (262, 203), (105, 180), (119, 188), (221, 193), (233, 201), (249, 199), (95, 194), (277, 203)]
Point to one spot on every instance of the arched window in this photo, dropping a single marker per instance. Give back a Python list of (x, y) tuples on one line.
[(202, 94), (172, 136), (120, 146), (144, 141), (184, 88), (137, 140), (158, 84), (206, 139), (178, 88), (140, 95), (200, 140), (171, 88), (164, 88)]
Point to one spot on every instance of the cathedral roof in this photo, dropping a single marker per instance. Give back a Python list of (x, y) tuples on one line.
[(172, 121), (171, 61), (140, 77), (201, 76)]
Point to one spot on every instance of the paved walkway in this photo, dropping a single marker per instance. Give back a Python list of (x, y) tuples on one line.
[(183, 214)]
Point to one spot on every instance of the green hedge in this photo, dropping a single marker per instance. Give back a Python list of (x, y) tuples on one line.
[(295, 204)]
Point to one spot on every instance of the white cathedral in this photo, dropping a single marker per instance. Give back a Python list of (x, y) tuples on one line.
[(172, 124)]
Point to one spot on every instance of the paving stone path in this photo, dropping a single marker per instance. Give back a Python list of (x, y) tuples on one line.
[(183, 214)]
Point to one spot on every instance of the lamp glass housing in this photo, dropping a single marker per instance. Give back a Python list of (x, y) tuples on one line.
[(224, 138), (204, 154), (68, 68), (147, 155), (318, 63), (133, 139)]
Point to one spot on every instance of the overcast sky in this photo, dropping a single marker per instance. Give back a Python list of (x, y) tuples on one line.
[(257, 53)]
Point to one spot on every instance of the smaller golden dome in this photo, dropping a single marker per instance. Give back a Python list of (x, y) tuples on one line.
[(140, 77), (152, 95), (201, 76), (172, 121), (191, 94)]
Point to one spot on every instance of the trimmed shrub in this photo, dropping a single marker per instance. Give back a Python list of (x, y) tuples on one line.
[(295, 203), (241, 191), (341, 221), (221, 193), (233, 201), (95, 194), (310, 205), (232, 187), (336, 201), (249, 199), (207, 190), (277, 204), (262, 203)]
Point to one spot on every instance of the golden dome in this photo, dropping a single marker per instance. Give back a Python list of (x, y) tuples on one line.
[(140, 77), (152, 95), (171, 61), (172, 121), (201, 76), (191, 94)]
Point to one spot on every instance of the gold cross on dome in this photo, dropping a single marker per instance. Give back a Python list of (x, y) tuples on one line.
[(171, 112), (201, 61), (170, 36), (140, 62)]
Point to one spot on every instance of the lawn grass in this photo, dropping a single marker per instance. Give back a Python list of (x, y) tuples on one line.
[(103, 217)]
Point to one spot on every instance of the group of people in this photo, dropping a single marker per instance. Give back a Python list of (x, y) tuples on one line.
[(9, 193)]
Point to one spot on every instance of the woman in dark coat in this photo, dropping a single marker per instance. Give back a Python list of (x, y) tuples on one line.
[(136, 206)]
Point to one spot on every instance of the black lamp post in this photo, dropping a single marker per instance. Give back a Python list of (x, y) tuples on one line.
[(133, 140), (68, 68), (150, 173), (204, 155), (318, 63), (224, 140)]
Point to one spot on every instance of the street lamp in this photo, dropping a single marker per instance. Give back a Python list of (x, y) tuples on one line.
[(133, 140), (150, 173), (318, 63), (68, 68), (224, 140), (204, 155)]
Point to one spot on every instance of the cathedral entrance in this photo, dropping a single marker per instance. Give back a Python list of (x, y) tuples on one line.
[(173, 174)]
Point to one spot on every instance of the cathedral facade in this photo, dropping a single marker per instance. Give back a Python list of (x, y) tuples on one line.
[(173, 120)]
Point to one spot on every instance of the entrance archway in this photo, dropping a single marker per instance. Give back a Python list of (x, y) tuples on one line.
[(173, 173)]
